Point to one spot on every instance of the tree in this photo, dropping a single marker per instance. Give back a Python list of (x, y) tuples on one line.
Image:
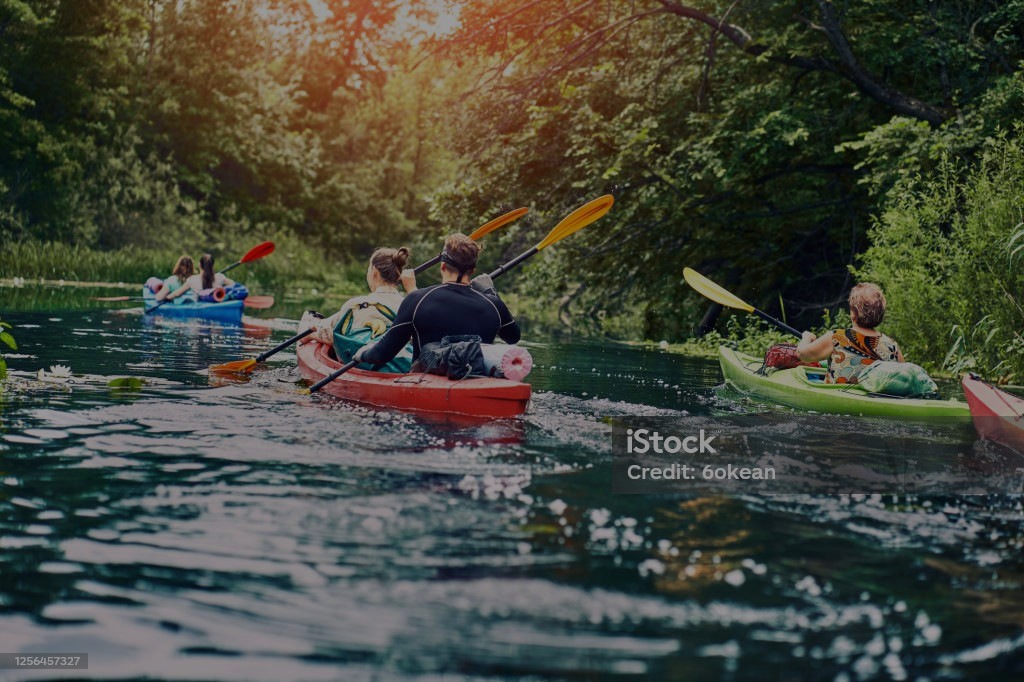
[(733, 134)]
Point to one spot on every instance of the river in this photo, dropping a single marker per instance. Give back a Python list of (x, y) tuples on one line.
[(199, 529)]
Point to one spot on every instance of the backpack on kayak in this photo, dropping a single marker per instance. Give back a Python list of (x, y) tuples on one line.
[(236, 292), (458, 357), (901, 379), (350, 338)]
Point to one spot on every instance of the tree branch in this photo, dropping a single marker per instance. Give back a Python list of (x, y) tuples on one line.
[(845, 64)]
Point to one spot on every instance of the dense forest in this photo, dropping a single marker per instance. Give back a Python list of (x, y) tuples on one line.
[(784, 148)]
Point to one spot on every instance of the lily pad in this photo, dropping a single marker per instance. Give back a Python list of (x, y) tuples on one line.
[(128, 383)]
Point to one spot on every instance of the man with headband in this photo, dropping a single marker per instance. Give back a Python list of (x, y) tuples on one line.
[(453, 308)]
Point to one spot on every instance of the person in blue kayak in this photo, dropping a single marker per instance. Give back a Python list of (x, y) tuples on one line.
[(365, 318), (203, 281), (454, 308), (183, 269), (852, 350)]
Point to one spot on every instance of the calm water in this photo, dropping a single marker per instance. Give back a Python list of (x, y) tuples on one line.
[(245, 531)]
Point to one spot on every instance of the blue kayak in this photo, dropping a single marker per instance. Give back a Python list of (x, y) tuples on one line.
[(225, 311)]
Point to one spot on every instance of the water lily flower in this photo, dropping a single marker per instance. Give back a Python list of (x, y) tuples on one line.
[(60, 371)]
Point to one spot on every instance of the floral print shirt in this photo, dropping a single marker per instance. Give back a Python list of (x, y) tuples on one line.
[(852, 352)]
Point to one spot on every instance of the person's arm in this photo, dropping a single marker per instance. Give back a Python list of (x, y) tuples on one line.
[(227, 281), (391, 344), (509, 331), (177, 292), (813, 349), (409, 280)]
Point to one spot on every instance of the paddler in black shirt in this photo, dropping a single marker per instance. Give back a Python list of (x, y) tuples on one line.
[(457, 306)]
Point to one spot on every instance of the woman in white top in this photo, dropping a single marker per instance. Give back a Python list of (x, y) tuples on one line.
[(374, 310), (205, 279)]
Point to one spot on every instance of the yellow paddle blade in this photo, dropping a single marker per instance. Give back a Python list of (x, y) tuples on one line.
[(578, 219), (500, 221), (236, 367), (705, 287)]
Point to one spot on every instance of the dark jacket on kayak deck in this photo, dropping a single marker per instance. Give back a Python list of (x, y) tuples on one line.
[(428, 315)]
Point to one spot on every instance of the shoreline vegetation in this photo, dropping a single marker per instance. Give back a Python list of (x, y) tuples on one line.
[(784, 161)]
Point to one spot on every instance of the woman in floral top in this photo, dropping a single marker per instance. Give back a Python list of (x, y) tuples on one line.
[(850, 351)]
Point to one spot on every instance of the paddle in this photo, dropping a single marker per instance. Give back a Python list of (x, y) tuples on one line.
[(257, 302), (572, 223), (714, 292), (244, 366), (255, 253), (480, 232)]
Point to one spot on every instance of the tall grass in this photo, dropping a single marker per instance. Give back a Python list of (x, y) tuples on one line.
[(291, 265), (54, 260)]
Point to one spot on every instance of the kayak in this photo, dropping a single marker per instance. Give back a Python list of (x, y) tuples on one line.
[(997, 414), (476, 396), (225, 311), (805, 388)]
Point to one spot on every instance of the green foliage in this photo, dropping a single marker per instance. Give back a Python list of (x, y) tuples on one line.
[(131, 131), (155, 123), (944, 251), (292, 264), (8, 340), (761, 173), (752, 335)]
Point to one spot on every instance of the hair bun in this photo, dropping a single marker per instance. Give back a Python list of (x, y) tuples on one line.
[(401, 257)]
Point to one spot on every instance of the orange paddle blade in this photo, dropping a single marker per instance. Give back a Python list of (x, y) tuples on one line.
[(259, 251), (236, 367), (578, 219), (500, 221)]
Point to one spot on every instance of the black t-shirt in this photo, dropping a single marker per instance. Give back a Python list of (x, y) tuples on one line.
[(428, 315)]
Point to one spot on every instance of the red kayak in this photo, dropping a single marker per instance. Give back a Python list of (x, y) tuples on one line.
[(997, 414), (478, 397)]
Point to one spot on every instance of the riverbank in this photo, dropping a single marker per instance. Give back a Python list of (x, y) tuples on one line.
[(292, 265)]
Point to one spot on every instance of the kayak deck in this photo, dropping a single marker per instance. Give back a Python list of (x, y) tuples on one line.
[(477, 396), (805, 388), (998, 415)]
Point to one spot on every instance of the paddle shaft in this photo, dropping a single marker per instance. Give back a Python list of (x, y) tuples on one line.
[(514, 262), (284, 344), (778, 323), (477, 235), (331, 377), (419, 269)]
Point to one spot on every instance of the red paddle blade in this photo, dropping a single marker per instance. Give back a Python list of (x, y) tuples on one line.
[(259, 251), (259, 302)]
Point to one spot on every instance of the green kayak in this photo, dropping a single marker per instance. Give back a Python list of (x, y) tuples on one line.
[(805, 388)]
